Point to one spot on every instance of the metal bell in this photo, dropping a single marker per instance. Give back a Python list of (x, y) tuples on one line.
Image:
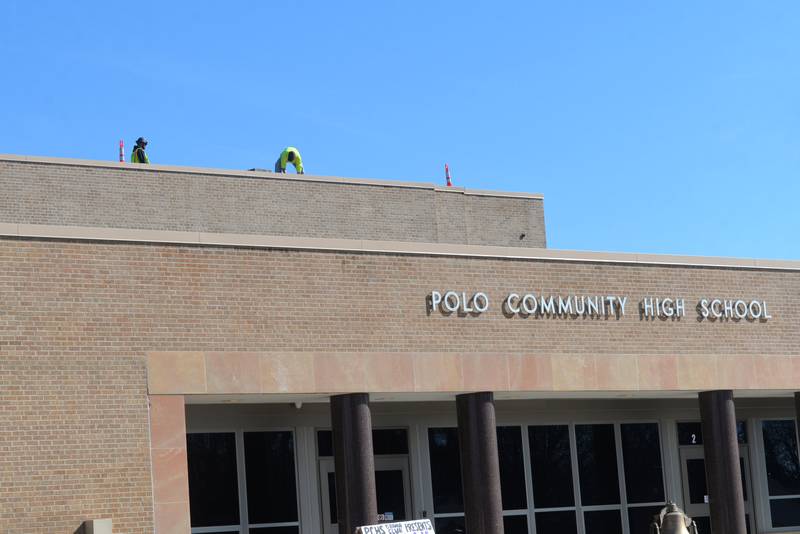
[(672, 520)]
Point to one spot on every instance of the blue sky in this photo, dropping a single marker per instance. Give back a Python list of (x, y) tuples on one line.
[(668, 127)]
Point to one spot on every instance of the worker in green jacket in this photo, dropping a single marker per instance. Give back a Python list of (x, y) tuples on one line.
[(139, 155), (289, 155)]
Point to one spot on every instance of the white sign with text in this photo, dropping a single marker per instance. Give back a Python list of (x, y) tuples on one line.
[(420, 526)]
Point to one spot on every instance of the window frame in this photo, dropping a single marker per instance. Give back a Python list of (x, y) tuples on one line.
[(764, 498), (577, 508), (241, 480)]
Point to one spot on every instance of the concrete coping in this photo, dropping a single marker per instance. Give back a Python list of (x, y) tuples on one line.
[(86, 233), (262, 174)]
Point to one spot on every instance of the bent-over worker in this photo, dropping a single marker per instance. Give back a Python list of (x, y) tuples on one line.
[(289, 155)]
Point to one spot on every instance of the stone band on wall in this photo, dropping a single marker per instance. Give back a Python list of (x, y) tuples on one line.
[(216, 373)]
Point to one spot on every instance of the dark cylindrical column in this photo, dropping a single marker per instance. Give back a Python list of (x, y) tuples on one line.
[(722, 462), (797, 409), (480, 467), (353, 461)]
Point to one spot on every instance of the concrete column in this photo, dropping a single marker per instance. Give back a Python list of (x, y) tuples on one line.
[(480, 466), (722, 462), (353, 460)]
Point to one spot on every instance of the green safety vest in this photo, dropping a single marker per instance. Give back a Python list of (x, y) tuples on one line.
[(298, 161), (135, 156)]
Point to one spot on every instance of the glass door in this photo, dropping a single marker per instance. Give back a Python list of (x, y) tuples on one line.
[(392, 486), (695, 488)]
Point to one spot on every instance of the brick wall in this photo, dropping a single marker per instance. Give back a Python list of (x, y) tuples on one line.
[(78, 318), (148, 198)]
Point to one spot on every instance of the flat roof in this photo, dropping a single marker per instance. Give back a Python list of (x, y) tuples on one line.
[(261, 174)]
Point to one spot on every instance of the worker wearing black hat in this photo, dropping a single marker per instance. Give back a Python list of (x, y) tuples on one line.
[(138, 155)]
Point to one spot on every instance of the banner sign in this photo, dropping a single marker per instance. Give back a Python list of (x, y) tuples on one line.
[(420, 526)]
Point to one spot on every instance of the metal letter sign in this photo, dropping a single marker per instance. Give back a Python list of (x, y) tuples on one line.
[(598, 306), (420, 526)]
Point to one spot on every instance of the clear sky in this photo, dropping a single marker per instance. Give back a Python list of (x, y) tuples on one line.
[(649, 126)]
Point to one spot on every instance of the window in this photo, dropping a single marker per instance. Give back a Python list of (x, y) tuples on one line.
[(213, 483), (264, 476), (644, 474), (512, 479), (597, 464), (384, 441), (270, 476), (585, 478), (783, 472), (448, 501), (602, 506), (551, 471), (641, 453), (445, 470)]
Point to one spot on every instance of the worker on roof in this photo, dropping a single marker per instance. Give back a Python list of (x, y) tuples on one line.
[(289, 155), (139, 155)]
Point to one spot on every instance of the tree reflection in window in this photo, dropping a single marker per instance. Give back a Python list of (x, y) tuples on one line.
[(783, 472), (780, 452)]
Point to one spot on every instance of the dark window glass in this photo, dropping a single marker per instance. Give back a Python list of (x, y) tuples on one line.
[(556, 523), (332, 497), (213, 487), (641, 457), (324, 443), (741, 432), (692, 433), (274, 530), (515, 524), (640, 517), (597, 464), (744, 480), (785, 512), (603, 522), (696, 473), (390, 493), (512, 467), (270, 475), (390, 441), (449, 525), (384, 441), (551, 467), (703, 524), (780, 454), (445, 470)]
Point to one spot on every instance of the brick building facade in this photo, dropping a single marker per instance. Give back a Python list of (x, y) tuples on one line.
[(153, 318)]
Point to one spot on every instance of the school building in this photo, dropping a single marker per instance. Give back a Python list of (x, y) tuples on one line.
[(214, 351)]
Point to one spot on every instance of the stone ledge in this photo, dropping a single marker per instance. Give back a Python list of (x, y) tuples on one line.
[(41, 231), (246, 373)]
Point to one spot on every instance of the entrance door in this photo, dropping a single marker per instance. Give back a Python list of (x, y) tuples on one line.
[(695, 489), (392, 486)]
